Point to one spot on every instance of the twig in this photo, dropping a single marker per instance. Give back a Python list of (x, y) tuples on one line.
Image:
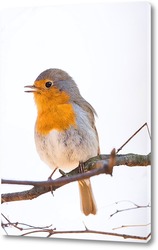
[(16, 225), (125, 226), (145, 124), (128, 209)]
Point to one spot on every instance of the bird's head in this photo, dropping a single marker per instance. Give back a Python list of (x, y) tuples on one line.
[(53, 87)]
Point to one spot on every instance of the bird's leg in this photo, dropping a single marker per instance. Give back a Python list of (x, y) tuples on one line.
[(50, 178), (81, 167)]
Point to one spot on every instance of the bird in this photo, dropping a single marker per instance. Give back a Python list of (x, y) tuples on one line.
[(65, 133)]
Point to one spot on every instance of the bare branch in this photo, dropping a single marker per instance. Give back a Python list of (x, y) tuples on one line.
[(125, 236), (25, 195), (88, 231), (101, 164), (52, 231)]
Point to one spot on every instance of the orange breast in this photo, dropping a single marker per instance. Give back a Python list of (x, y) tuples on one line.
[(59, 117)]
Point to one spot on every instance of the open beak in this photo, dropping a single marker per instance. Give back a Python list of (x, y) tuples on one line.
[(32, 88)]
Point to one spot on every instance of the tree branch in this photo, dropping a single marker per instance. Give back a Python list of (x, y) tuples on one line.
[(52, 231), (102, 164), (89, 231)]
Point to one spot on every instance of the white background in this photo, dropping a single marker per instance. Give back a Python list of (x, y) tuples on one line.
[(107, 55)]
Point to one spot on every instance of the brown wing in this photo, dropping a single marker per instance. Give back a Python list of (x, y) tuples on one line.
[(91, 115)]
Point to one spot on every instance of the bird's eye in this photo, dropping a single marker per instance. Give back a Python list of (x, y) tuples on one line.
[(48, 84)]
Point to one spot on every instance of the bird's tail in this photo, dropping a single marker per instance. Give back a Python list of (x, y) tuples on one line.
[(88, 205)]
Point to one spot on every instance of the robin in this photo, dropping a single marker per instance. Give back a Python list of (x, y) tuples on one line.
[(65, 132)]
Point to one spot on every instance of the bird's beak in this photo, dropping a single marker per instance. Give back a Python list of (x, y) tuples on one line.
[(32, 88)]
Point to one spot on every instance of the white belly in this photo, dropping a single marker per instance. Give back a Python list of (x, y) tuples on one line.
[(66, 149)]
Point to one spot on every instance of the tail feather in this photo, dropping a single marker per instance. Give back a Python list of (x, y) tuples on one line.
[(88, 205)]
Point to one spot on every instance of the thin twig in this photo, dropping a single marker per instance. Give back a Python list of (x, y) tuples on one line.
[(127, 226), (128, 209), (145, 124), (16, 225)]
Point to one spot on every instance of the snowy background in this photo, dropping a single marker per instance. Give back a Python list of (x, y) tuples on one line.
[(106, 49)]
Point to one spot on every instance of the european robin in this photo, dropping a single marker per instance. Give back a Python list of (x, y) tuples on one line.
[(65, 132)]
